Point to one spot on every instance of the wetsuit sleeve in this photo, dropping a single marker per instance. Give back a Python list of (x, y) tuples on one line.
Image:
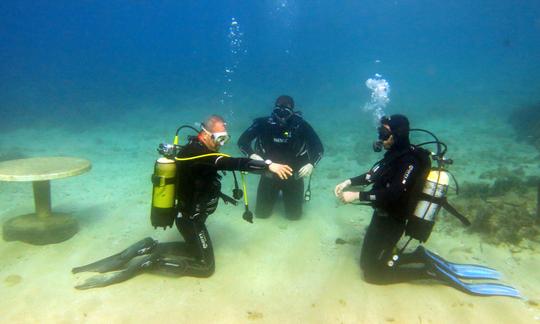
[(361, 180), (314, 144), (247, 137), (402, 181), (239, 164)]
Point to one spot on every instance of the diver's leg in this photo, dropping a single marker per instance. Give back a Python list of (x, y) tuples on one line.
[(378, 248), (293, 198), (117, 261), (199, 261), (267, 194)]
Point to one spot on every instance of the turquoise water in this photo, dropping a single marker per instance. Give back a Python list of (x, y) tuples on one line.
[(109, 81)]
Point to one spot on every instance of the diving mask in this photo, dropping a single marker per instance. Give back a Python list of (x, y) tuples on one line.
[(220, 138), (282, 113), (384, 134)]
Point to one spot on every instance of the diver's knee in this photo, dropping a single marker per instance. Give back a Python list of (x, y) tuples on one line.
[(208, 271), (374, 273), (293, 216), (377, 276), (262, 214)]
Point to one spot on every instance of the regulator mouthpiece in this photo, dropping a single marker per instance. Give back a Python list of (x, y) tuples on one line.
[(377, 146), (238, 194)]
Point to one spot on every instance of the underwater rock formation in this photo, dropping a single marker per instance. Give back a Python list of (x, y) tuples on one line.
[(526, 122), (503, 211)]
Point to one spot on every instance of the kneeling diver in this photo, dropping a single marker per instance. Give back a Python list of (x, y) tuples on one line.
[(406, 195), (197, 195)]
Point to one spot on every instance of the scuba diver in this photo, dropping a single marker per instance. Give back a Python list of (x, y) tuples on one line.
[(406, 195), (284, 137), (198, 189)]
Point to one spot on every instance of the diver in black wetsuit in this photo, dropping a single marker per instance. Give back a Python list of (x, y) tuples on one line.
[(398, 183), (199, 190), (284, 137), (396, 179)]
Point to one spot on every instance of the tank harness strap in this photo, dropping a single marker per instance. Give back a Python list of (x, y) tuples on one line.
[(443, 202), (162, 181)]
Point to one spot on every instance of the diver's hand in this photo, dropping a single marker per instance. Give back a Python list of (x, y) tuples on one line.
[(340, 187), (306, 170), (349, 196), (256, 157), (281, 170)]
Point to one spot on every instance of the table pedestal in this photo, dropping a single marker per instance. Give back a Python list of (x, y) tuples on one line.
[(43, 226)]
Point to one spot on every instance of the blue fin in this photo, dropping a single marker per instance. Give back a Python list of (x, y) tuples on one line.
[(477, 289), (467, 271)]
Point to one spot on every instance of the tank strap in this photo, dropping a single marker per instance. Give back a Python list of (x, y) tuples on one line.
[(162, 181), (443, 202)]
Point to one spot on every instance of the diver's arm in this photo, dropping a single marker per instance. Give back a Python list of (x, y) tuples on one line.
[(315, 146), (247, 137), (240, 164), (403, 181), (356, 181), (361, 180), (251, 165)]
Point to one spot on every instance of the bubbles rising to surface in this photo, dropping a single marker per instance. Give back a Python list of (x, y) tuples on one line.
[(380, 90), (236, 50)]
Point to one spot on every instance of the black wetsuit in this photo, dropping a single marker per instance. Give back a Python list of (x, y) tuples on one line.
[(397, 181), (199, 190), (295, 144)]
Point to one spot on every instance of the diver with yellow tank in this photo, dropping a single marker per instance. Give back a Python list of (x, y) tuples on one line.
[(186, 190), (406, 194)]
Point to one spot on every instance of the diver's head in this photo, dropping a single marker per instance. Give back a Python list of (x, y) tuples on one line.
[(283, 109), (213, 133), (393, 133)]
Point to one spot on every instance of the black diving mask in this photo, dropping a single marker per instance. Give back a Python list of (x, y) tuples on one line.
[(384, 134), (282, 113)]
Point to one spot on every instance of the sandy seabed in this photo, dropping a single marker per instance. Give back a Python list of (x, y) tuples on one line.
[(272, 271)]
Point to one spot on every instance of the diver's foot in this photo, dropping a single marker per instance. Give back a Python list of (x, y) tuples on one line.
[(117, 261)]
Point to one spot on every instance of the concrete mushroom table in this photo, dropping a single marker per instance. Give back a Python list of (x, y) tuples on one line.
[(43, 226)]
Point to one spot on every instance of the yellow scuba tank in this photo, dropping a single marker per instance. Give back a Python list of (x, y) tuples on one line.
[(165, 179), (420, 224), (163, 193)]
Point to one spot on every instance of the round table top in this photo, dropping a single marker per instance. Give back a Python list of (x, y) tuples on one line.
[(43, 168)]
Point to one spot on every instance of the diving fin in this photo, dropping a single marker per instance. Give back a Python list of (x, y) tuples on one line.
[(117, 261), (131, 271), (466, 271), (478, 289)]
